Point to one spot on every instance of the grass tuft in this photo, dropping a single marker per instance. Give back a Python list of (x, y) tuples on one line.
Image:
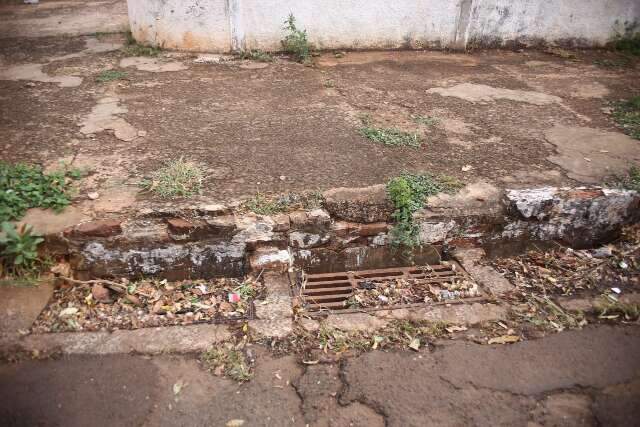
[(627, 115), (133, 48), (425, 120), (110, 75), (264, 205), (391, 136), (178, 178), (230, 361)]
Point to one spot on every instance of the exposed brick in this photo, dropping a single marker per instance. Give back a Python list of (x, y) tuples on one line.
[(298, 218), (372, 229), (101, 228), (180, 226), (343, 228)]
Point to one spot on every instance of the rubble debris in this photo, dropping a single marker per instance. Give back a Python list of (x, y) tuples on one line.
[(148, 303)]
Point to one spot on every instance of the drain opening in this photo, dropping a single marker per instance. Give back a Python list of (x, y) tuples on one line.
[(387, 288)]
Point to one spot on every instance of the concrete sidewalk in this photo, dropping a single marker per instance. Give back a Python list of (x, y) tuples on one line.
[(587, 377)]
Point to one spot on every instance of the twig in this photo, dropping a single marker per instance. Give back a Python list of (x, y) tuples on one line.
[(117, 287)]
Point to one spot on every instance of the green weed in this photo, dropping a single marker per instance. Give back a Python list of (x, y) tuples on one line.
[(24, 186), (391, 136), (19, 250), (263, 205), (133, 48), (425, 120), (627, 115), (228, 360), (110, 75), (256, 55), (408, 193), (628, 44), (629, 182), (296, 41), (178, 178), (613, 63)]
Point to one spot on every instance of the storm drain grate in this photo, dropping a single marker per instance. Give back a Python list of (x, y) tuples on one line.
[(331, 291)]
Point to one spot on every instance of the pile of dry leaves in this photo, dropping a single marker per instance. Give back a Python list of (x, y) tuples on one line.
[(147, 303), (399, 291), (565, 271)]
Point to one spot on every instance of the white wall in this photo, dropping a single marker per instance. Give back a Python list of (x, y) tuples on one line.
[(581, 22), (224, 25)]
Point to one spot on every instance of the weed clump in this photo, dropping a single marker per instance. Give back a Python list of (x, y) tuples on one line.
[(228, 361), (627, 115), (628, 44), (391, 136), (631, 181), (407, 193), (133, 48), (425, 120), (264, 205), (296, 41), (110, 75), (24, 186), (19, 251), (178, 178)]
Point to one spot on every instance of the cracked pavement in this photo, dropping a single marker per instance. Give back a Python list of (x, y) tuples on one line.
[(585, 377)]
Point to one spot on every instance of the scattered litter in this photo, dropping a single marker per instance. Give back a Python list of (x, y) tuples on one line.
[(415, 344), (69, 311), (467, 168), (148, 303), (504, 339), (616, 290), (177, 387)]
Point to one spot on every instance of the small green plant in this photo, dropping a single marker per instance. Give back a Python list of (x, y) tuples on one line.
[(627, 115), (391, 136), (177, 178), (110, 75), (296, 41), (408, 193), (425, 120), (629, 182), (329, 84), (246, 290), (228, 360), (263, 205), (19, 250), (629, 43), (24, 186), (133, 48), (256, 55), (613, 63)]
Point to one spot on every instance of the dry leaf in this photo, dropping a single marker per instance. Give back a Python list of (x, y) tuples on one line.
[(504, 339)]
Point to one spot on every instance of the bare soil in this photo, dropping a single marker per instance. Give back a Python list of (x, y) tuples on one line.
[(286, 127)]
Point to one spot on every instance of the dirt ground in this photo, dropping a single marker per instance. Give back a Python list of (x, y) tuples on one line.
[(62, 17), (509, 118), (589, 378)]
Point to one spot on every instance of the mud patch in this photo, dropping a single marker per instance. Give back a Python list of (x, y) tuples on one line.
[(33, 72), (589, 90), (590, 155), (152, 65), (103, 116), (482, 93)]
